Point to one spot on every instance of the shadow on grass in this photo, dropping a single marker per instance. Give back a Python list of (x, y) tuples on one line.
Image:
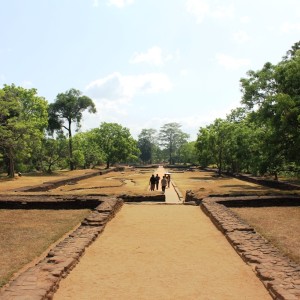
[(243, 187), (208, 178)]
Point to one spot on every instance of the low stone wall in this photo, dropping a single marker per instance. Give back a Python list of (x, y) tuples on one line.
[(48, 202), (259, 180), (267, 182), (280, 275), (142, 198), (180, 196), (190, 197), (42, 280), (46, 186)]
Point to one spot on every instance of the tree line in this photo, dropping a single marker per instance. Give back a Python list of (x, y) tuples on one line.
[(39, 136), (260, 137)]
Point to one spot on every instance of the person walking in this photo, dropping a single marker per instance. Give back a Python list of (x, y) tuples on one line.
[(164, 183), (169, 180), (152, 182), (157, 178)]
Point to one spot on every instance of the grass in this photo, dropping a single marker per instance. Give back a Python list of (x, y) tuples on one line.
[(130, 181), (205, 183), (279, 225), (26, 234)]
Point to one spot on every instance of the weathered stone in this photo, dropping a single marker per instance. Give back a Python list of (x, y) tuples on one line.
[(41, 281), (278, 274)]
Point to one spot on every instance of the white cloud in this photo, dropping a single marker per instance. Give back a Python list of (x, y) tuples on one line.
[(116, 89), (152, 56), (230, 62), (120, 3), (222, 12), (201, 9), (184, 72), (113, 95), (198, 8), (241, 36), (245, 19), (288, 27)]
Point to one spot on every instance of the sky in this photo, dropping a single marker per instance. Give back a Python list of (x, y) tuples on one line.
[(144, 63)]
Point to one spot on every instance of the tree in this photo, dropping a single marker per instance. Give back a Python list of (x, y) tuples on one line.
[(202, 145), (23, 118), (85, 142), (68, 107), (116, 143), (188, 153), (213, 144), (171, 138), (52, 153), (272, 96), (146, 144)]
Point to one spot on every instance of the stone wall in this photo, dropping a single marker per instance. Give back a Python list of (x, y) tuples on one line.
[(42, 280), (260, 180), (46, 186)]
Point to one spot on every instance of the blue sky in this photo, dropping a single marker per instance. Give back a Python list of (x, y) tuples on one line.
[(145, 63)]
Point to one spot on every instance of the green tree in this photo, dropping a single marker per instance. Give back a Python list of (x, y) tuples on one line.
[(23, 118), (188, 154), (52, 154), (68, 108), (204, 153), (212, 143), (241, 141), (85, 142), (116, 143), (272, 97), (171, 138), (147, 144)]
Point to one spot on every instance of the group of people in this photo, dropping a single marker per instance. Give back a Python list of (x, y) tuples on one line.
[(154, 182)]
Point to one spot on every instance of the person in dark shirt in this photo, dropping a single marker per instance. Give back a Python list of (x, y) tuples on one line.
[(157, 178), (152, 182)]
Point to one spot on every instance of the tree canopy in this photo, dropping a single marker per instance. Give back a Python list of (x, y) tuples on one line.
[(23, 118), (68, 108), (171, 138), (116, 143)]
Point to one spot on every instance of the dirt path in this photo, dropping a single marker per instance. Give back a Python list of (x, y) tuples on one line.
[(161, 252), (171, 195)]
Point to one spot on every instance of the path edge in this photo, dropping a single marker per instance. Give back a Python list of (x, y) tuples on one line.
[(42, 280)]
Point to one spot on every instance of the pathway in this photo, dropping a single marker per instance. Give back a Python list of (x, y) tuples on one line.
[(161, 252), (170, 193)]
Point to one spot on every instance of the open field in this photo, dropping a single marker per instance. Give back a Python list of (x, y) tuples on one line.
[(279, 225), (26, 234), (204, 183), (131, 181)]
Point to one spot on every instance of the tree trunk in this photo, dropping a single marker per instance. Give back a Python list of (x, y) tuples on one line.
[(70, 147), (220, 163), (107, 164), (11, 164)]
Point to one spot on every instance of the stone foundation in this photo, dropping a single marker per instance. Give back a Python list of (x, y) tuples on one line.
[(279, 274), (42, 280)]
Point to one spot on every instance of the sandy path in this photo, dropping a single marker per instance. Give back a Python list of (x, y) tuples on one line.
[(161, 252)]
